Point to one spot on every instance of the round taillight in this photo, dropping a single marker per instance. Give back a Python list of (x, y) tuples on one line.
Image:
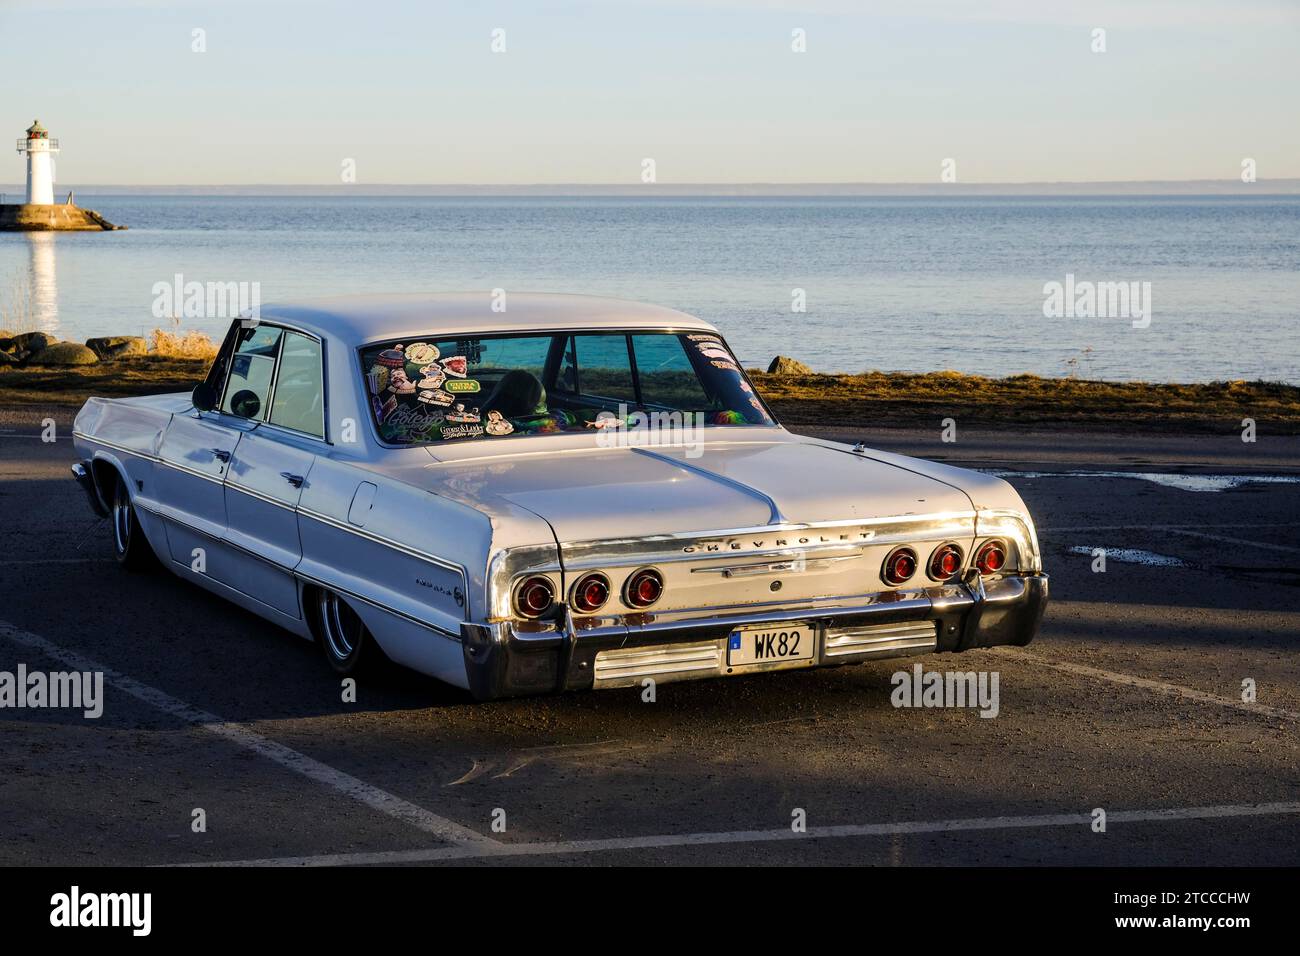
[(534, 596), (900, 564), (643, 588), (991, 557), (591, 592), (945, 562)]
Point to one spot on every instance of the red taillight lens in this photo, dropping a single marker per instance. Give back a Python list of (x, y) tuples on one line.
[(590, 593), (900, 565), (945, 562), (534, 596), (991, 557), (643, 588)]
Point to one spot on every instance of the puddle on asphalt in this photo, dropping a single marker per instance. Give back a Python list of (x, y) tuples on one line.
[(1167, 479), (1134, 556)]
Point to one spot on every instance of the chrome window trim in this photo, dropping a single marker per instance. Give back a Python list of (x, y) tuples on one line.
[(275, 375), (535, 332)]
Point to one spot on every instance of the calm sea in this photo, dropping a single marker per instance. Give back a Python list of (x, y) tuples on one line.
[(912, 284)]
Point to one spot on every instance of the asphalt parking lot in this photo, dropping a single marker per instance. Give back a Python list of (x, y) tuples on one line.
[(1129, 701)]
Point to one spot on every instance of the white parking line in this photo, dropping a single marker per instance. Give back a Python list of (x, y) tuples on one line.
[(1226, 540), (1192, 530), (241, 736), (1080, 820), (468, 844), (84, 560), (1173, 690), (1165, 527)]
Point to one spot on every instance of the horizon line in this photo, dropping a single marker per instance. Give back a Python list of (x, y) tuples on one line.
[(1235, 186)]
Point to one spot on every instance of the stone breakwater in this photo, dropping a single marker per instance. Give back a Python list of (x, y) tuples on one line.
[(30, 217), (40, 348)]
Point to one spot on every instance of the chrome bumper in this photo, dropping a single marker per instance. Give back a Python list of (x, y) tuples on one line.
[(504, 660), (81, 472)]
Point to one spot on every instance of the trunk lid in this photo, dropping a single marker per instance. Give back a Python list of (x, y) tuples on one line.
[(614, 493)]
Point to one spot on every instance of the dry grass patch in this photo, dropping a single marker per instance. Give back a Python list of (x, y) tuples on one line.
[(140, 375), (885, 398), (182, 345)]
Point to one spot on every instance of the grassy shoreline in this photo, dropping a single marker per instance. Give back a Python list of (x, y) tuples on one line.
[(874, 399), (889, 399)]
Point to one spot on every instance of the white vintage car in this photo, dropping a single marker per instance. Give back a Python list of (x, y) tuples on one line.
[(573, 492)]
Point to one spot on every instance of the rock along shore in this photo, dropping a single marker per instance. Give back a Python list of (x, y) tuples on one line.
[(40, 348)]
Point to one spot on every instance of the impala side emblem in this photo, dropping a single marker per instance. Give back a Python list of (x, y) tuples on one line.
[(455, 594)]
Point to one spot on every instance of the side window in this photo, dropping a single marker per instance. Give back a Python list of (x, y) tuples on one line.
[(489, 359), (252, 368), (598, 366), (666, 374), (299, 400)]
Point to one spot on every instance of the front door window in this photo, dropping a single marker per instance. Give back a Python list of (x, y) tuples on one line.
[(252, 372), (299, 400)]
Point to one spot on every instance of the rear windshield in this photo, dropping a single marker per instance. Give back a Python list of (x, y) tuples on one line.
[(449, 389)]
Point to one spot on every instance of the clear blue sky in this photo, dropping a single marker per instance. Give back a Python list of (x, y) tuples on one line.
[(1010, 89)]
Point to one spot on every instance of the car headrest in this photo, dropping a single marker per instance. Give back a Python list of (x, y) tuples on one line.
[(517, 394)]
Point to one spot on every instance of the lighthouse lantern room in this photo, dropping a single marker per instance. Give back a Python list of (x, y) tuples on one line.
[(40, 164)]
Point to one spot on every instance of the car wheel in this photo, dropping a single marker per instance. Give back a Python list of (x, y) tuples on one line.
[(347, 644), (130, 546)]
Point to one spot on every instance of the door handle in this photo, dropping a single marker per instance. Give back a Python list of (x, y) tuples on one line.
[(221, 454), (295, 480)]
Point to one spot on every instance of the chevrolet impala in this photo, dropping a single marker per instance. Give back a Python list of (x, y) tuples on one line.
[(571, 493)]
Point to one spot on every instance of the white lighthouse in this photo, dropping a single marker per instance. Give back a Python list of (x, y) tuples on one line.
[(40, 150), (39, 214)]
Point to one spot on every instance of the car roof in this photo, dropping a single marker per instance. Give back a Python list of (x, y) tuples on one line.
[(359, 319)]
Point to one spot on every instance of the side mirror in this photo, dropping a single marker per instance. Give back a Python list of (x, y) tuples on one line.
[(204, 397)]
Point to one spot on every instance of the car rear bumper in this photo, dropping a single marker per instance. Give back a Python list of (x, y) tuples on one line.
[(503, 660)]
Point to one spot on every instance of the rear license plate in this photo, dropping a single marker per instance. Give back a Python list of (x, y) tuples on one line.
[(770, 645)]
